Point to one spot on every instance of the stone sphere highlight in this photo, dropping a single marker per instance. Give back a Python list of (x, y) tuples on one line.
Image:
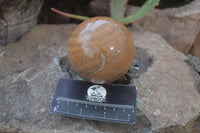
[(101, 50)]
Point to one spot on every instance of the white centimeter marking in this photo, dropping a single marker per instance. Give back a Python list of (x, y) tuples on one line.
[(95, 103), (80, 111), (106, 118)]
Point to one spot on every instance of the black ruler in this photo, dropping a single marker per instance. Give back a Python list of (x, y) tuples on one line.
[(107, 102)]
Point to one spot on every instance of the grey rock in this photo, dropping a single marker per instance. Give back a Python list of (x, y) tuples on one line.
[(16, 18), (4, 114), (169, 85), (20, 115), (31, 68)]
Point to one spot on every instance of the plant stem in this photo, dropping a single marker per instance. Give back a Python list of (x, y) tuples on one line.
[(69, 15), (146, 7)]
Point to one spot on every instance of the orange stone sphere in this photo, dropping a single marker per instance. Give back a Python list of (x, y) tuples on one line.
[(101, 50)]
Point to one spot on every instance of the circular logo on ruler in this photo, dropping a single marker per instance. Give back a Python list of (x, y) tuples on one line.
[(96, 93)]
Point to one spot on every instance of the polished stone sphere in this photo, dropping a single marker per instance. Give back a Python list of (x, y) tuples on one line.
[(101, 50)]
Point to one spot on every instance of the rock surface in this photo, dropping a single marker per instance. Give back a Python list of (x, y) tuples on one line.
[(30, 69), (179, 26), (168, 91), (16, 18), (195, 50)]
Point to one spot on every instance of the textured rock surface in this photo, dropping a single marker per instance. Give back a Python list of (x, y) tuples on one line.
[(168, 91), (195, 50), (16, 18), (179, 26), (30, 69)]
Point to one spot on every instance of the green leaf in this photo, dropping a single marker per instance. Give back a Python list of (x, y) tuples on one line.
[(69, 15), (146, 7), (117, 8)]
